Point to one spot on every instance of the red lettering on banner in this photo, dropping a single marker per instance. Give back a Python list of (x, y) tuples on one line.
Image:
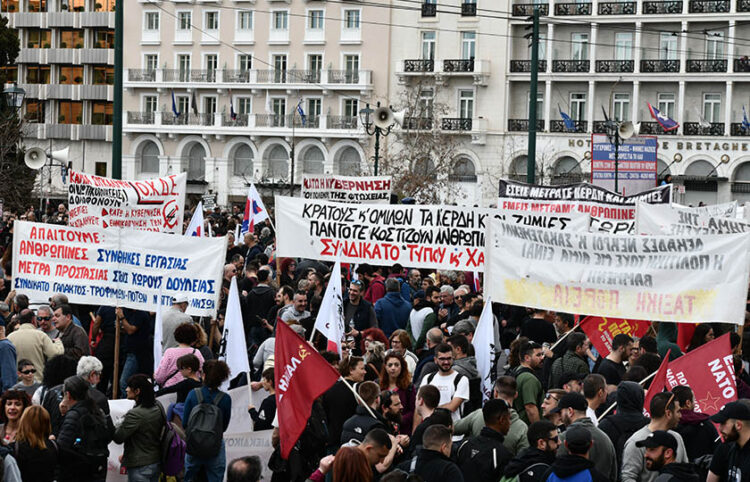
[(666, 304), (33, 267), (476, 257)]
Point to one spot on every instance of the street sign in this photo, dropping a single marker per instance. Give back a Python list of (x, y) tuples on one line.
[(636, 165)]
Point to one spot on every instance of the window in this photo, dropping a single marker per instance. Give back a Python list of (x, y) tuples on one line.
[(209, 105), (542, 47), (104, 5), (104, 39), (9, 73), (278, 162), (101, 113), (314, 108), (426, 100), (243, 160), (278, 105), (245, 62), (244, 105), (183, 104), (39, 39), (103, 75), (349, 162), (196, 163), (183, 62), (579, 46), (70, 74), (351, 19), (70, 112), (151, 21), (666, 103), (71, 39), (314, 65), (151, 62), (464, 171), (351, 65), (714, 45), (9, 5), (667, 46), (211, 63), (72, 5), (313, 160), (34, 111), (280, 20), (466, 104), (428, 45), (211, 21), (279, 66), (100, 169), (184, 20), (712, 107), (37, 74), (315, 20), (578, 106), (351, 108), (623, 46), (539, 104), (468, 45), (36, 6), (621, 106), (149, 103), (245, 20)]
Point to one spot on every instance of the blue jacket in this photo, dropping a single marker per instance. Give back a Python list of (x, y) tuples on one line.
[(392, 312), (8, 373)]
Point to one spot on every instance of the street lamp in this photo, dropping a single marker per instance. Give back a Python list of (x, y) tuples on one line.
[(13, 96), (381, 125)]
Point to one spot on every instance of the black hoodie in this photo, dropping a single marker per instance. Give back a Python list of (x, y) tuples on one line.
[(528, 457), (567, 466), (628, 419), (675, 472)]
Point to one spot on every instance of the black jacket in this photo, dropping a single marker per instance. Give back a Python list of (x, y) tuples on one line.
[(530, 458), (675, 472), (255, 306), (698, 433), (361, 318), (566, 466), (339, 404), (73, 465), (484, 458), (433, 466), (263, 417), (359, 424), (628, 419)]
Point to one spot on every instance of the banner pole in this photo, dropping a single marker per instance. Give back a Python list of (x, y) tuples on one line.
[(359, 399), (564, 336), (613, 405), (116, 369)]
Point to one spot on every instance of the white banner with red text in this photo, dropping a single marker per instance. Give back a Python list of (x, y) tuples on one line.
[(678, 220), (347, 189)]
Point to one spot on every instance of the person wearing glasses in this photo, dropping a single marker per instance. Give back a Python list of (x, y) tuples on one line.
[(26, 373), (534, 460), (44, 319), (550, 409)]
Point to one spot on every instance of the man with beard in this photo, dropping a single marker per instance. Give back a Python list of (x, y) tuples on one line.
[(533, 461), (731, 460), (661, 449), (359, 314), (696, 429), (454, 387), (530, 393), (392, 411)]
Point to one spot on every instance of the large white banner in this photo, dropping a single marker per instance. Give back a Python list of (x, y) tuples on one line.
[(671, 278), (610, 212), (150, 204), (725, 210), (438, 237), (664, 219), (347, 189), (117, 267)]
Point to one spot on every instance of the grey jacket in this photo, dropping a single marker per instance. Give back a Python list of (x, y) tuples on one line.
[(515, 441), (633, 466), (467, 367), (602, 452)]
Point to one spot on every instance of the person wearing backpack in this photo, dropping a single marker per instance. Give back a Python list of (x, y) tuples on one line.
[(140, 431), (454, 387), (84, 435), (206, 418)]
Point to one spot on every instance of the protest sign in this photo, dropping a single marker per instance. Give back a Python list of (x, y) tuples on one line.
[(636, 163), (665, 219), (117, 267), (441, 237), (601, 331), (671, 278), (610, 212), (727, 210), (347, 189), (151, 204)]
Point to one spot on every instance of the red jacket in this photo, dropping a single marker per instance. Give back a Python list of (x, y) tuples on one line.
[(376, 289)]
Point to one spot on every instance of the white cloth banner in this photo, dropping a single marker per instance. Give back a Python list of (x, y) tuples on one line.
[(667, 278), (724, 210), (152, 204), (678, 220), (484, 348), (438, 237), (347, 189), (117, 267)]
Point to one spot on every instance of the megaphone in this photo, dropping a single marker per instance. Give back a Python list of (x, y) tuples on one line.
[(383, 117), (626, 130), (398, 117), (35, 158), (61, 155)]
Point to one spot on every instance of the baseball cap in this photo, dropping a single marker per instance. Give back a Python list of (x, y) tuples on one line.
[(573, 400), (577, 439), (658, 438), (180, 298), (736, 410)]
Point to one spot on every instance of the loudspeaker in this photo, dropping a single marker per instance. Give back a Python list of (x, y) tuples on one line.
[(398, 117), (383, 117), (626, 130), (35, 158), (61, 155)]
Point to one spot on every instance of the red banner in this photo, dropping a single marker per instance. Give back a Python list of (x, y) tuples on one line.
[(302, 375), (657, 384), (709, 372), (602, 330)]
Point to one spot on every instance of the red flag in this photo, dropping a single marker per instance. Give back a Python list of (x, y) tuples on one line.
[(709, 371), (657, 384), (302, 375), (685, 334), (602, 330)]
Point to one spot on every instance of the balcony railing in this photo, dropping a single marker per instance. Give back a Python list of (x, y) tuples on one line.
[(342, 122), (614, 65), (343, 77), (455, 124), (670, 7), (695, 129), (429, 9), (458, 65), (600, 127), (617, 8), (527, 9), (708, 6), (743, 5), (559, 126), (180, 75), (522, 125), (650, 66), (570, 65), (654, 128), (525, 65), (187, 118), (735, 129), (568, 9), (140, 117), (276, 76), (417, 124), (468, 9), (706, 65), (419, 65), (240, 120), (142, 75), (742, 65)]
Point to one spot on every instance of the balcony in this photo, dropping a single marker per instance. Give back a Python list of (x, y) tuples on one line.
[(570, 9), (527, 9), (708, 6), (417, 124), (741, 65), (617, 8), (187, 119), (95, 132), (141, 75), (559, 126), (59, 131), (429, 10), (671, 7), (146, 118), (600, 127), (743, 5), (240, 120), (468, 9), (695, 129), (706, 65), (522, 125), (343, 77), (256, 78), (653, 66), (419, 65), (182, 75), (615, 65), (342, 122), (525, 65), (455, 124), (736, 130), (654, 128), (458, 65), (571, 66)]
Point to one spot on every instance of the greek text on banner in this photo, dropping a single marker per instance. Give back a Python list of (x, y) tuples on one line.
[(668, 278), (439, 237), (348, 189), (97, 202), (117, 267), (665, 219)]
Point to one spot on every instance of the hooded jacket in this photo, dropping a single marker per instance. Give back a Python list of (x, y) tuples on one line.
[(359, 424), (483, 458), (697, 432), (529, 457), (628, 419), (392, 312), (515, 440), (666, 339), (432, 466), (570, 468), (467, 366), (676, 472), (570, 362), (602, 452)]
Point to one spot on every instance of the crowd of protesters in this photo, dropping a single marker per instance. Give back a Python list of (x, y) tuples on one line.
[(409, 405)]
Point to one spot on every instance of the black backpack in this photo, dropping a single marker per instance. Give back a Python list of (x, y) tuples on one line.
[(205, 427), (95, 438), (475, 398)]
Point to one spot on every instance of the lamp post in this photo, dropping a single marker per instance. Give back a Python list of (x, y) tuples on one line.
[(371, 128), (14, 96)]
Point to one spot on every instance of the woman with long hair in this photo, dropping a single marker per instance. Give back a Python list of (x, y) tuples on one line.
[(12, 405), (703, 334), (35, 454), (372, 334), (350, 465), (167, 373), (401, 343), (287, 268), (140, 431), (395, 377)]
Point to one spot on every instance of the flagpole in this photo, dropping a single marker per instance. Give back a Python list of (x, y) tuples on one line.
[(565, 335), (356, 395), (613, 405)]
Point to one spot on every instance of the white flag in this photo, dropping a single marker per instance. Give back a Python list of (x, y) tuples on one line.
[(484, 348), (237, 241), (233, 337), (158, 335), (269, 108), (330, 320), (195, 228)]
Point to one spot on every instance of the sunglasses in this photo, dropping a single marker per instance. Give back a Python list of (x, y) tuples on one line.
[(28, 372), (549, 395), (357, 283), (44, 318), (555, 439)]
